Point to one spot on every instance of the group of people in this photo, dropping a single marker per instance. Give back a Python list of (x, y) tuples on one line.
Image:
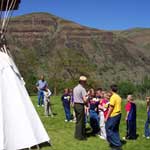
[(101, 108), (104, 110)]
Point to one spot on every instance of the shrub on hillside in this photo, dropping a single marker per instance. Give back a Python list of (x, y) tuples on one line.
[(125, 88)]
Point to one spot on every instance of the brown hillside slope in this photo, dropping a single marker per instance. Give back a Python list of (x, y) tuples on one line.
[(62, 50)]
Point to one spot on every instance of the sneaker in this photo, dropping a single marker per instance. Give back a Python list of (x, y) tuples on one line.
[(74, 121), (101, 137), (115, 147), (42, 105), (124, 138), (147, 137), (66, 120), (70, 120), (38, 105)]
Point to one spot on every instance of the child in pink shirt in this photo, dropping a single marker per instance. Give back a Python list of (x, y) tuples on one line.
[(103, 107)]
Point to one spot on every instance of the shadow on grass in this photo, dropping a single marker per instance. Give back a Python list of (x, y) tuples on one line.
[(89, 132), (38, 147), (55, 114)]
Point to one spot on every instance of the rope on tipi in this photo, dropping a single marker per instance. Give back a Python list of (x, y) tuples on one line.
[(6, 9)]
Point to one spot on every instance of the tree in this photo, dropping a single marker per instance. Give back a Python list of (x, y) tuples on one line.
[(125, 88)]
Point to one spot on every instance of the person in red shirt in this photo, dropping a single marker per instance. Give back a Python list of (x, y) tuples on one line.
[(130, 108)]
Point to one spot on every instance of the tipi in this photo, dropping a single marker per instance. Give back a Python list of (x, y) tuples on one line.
[(20, 125)]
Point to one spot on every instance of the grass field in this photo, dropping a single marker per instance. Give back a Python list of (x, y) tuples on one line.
[(62, 133)]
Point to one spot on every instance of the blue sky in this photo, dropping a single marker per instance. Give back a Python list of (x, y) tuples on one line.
[(101, 14)]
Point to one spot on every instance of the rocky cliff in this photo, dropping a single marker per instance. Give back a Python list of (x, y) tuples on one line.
[(62, 50)]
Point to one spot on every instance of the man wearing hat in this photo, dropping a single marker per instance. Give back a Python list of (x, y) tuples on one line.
[(79, 94)]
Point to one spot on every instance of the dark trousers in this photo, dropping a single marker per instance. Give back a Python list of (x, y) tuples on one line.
[(147, 124), (94, 121), (67, 110), (112, 130), (131, 129), (80, 121), (40, 97)]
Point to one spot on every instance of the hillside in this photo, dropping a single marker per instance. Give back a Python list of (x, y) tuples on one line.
[(63, 50)]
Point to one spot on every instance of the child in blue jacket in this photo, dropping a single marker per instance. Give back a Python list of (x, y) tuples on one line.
[(66, 98), (147, 123), (131, 118)]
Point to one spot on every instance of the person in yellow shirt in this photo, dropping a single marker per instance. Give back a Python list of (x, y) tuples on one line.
[(113, 119)]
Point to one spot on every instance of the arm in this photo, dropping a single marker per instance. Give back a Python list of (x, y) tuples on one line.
[(84, 96), (111, 108), (85, 99), (127, 108), (147, 104), (62, 98), (101, 107), (127, 115), (148, 108), (37, 85), (49, 93)]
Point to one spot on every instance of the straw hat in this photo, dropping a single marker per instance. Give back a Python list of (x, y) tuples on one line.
[(82, 78)]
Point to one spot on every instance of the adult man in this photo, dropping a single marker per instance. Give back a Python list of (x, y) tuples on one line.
[(79, 94), (113, 119), (41, 86)]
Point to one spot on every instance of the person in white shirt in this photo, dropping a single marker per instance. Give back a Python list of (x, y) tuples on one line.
[(47, 104)]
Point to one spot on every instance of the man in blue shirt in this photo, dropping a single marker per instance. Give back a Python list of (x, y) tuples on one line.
[(41, 85)]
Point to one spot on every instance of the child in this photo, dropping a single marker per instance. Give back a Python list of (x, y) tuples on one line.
[(47, 105), (130, 118), (72, 104), (93, 110), (147, 129), (66, 98), (103, 107)]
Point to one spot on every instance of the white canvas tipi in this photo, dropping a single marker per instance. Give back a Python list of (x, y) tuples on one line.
[(20, 125)]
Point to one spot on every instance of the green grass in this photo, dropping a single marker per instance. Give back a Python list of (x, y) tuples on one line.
[(62, 133)]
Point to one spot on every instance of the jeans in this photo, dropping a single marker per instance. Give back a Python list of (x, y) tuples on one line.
[(147, 128), (67, 110), (40, 97), (112, 130), (94, 121)]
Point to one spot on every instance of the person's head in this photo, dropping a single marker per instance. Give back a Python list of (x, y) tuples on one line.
[(98, 92), (148, 98), (114, 88), (130, 97), (70, 91), (107, 95), (66, 91), (102, 94), (91, 92), (42, 77), (82, 80)]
